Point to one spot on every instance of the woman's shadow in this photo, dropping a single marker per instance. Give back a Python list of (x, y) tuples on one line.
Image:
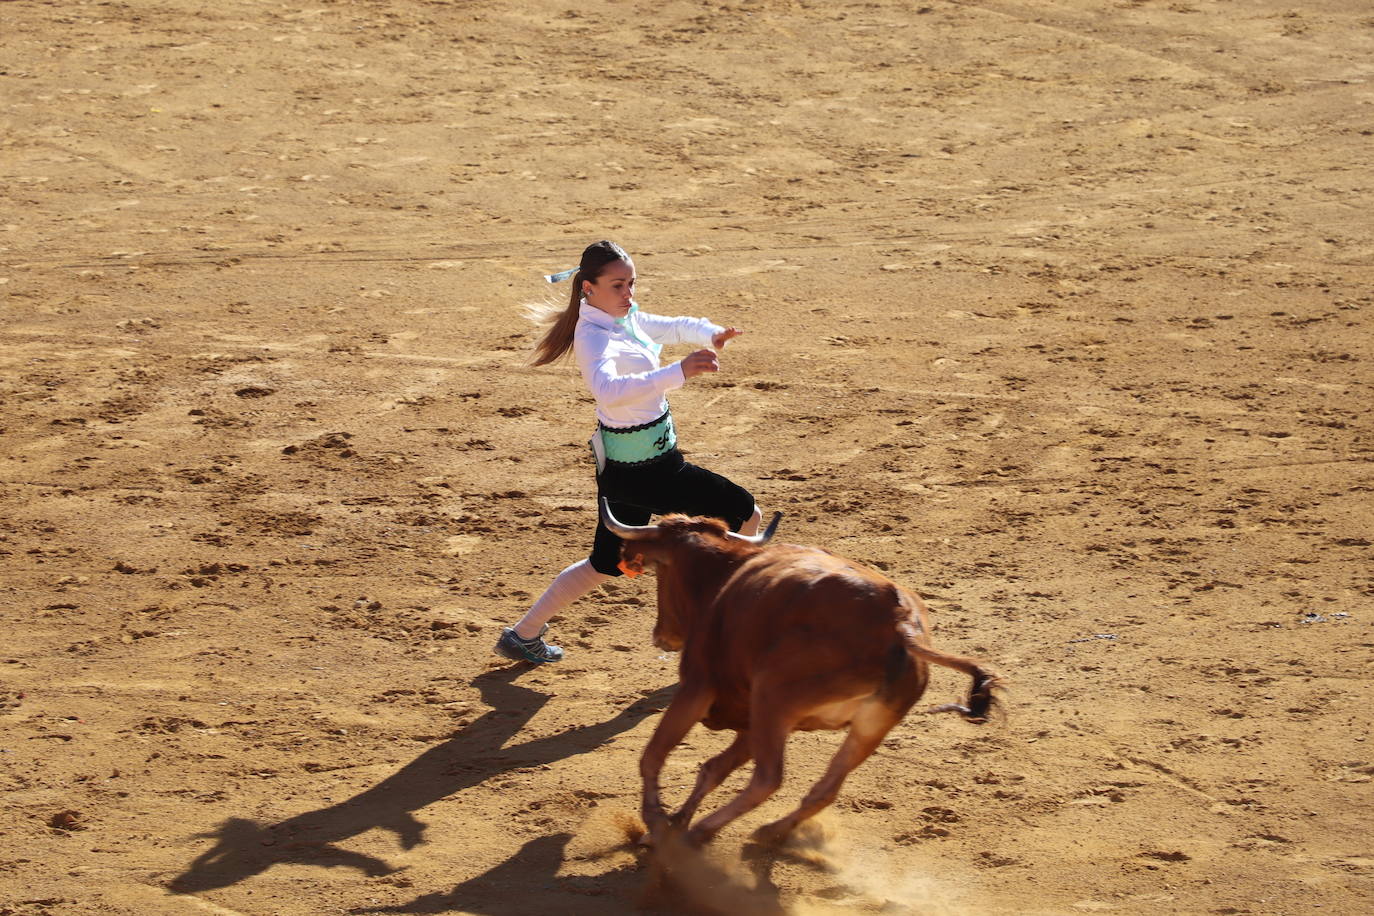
[(244, 847)]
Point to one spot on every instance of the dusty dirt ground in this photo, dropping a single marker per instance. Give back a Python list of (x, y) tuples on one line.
[(1059, 312)]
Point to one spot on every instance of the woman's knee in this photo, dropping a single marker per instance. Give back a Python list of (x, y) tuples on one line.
[(605, 555)]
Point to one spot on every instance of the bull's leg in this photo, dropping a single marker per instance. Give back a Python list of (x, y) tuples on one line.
[(713, 772), (688, 708), (866, 732), (767, 739)]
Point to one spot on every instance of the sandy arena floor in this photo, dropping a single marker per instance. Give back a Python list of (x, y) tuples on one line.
[(1059, 311)]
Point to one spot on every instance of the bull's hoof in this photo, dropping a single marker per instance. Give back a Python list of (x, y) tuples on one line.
[(657, 838), (697, 838), (774, 834), (657, 828)]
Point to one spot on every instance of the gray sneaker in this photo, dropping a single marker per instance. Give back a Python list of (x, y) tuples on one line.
[(534, 650)]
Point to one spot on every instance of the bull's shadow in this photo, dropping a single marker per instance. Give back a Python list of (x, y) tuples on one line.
[(244, 847)]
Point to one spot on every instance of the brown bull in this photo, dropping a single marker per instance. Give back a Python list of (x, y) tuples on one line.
[(776, 639)]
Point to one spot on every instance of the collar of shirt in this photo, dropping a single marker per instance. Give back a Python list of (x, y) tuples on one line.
[(590, 313), (593, 315)]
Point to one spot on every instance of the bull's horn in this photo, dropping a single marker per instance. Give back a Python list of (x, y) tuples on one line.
[(619, 529), (765, 536)]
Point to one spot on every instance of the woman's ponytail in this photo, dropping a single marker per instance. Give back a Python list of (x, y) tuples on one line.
[(558, 339)]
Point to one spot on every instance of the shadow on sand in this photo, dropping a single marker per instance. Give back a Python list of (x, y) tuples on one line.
[(528, 882), (244, 847)]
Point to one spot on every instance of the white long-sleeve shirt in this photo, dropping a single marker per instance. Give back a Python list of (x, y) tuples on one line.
[(618, 358)]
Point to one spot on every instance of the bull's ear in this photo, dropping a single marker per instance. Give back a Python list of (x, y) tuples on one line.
[(620, 530), (765, 536)]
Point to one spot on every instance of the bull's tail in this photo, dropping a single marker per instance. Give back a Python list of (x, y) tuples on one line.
[(981, 696)]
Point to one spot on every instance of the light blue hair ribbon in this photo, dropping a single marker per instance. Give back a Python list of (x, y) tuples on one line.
[(561, 275)]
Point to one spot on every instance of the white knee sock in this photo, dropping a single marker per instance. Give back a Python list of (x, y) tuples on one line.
[(571, 584)]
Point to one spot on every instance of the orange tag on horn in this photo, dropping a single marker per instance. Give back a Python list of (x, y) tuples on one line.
[(632, 567)]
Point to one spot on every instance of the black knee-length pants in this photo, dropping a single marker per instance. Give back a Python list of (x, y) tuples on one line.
[(671, 484)]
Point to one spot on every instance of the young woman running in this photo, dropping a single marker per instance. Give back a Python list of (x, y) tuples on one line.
[(639, 468)]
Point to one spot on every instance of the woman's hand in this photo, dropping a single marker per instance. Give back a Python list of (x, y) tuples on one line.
[(694, 364), (720, 340)]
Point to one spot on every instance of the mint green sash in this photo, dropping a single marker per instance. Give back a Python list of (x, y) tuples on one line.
[(639, 444)]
